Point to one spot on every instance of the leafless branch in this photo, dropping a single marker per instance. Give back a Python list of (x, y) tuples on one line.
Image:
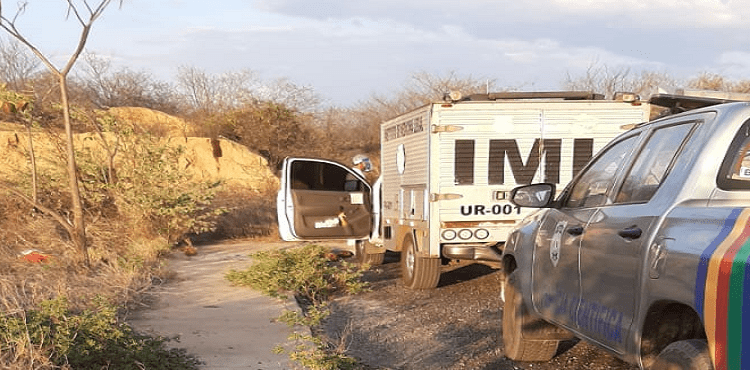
[(48, 211)]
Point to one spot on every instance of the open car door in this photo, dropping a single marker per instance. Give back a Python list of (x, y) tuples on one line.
[(322, 199)]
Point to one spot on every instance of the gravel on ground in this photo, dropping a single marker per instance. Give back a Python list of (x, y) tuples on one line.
[(456, 326)]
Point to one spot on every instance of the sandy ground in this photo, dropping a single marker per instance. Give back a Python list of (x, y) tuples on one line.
[(456, 326), (226, 327)]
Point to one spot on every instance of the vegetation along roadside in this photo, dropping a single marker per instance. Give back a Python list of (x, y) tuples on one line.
[(312, 274)]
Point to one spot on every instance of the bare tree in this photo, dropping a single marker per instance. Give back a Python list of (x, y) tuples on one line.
[(608, 81), (425, 87), (228, 91), (124, 88), (283, 91), (217, 93), (716, 82), (85, 15), (711, 81), (420, 89), (357, 129), (16, 65)]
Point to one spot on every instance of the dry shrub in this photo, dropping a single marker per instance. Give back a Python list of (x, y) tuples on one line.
[(122, 261), (249, 213)]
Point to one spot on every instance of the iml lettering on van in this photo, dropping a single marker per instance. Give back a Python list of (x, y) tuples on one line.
[(523, 173)]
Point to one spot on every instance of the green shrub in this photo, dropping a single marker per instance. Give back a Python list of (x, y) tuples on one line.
[(312, 273), (145, 182), (308, 272), (313, 352), (92, 339)]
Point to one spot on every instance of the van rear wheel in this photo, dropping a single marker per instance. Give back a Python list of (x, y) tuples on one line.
[(418, 272)]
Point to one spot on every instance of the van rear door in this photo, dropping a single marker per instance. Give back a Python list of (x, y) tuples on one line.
[(322, 199)]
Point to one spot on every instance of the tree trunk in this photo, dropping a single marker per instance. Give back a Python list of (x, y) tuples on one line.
[(34, 177), (79, 229)]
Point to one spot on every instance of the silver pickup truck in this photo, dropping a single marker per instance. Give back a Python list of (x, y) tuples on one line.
[(645, 253)]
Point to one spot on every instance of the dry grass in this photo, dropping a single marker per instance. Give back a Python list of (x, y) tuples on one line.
[(7, 126), (121, 257), (120, 270)]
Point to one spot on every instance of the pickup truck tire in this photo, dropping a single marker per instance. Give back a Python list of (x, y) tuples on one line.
[(516, 321), (689, 354), (364, 258), (418, 272)]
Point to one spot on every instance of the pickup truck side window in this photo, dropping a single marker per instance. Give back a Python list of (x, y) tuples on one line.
[(735, 170), (653, 163), (591, 188)]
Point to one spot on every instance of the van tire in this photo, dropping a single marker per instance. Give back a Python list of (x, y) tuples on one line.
[(516, 318), (418, 272), (691, 354), (364, 258)]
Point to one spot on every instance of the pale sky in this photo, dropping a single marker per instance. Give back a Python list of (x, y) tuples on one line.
[(347, 50)]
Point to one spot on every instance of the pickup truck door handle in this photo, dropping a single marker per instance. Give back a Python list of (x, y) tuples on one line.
[(633, 232), (575, 230)]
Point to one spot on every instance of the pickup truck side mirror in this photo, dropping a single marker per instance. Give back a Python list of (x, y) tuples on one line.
[(533, 196)]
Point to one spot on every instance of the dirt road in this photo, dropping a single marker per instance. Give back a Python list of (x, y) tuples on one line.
[(226, 327), (456, 326)]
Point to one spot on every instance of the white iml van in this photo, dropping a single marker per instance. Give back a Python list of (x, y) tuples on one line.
[(446, 172)]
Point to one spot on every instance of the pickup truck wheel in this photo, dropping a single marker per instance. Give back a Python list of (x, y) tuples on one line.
[(418, 272), (689, 354), (363, 258), (516, 321)]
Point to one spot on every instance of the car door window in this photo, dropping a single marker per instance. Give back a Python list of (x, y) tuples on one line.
[(653, 163), (591, 188), (735, 170), (306, 175)]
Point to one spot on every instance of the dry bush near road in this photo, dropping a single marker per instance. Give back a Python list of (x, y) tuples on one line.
[(249, 213), (125, 219), (247, 193)]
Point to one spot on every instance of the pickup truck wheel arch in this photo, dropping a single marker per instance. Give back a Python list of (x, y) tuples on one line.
[(516, 321), (508, 266), (691, 354), (668, 322)]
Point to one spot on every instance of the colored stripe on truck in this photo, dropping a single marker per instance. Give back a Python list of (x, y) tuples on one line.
[(720, 282)]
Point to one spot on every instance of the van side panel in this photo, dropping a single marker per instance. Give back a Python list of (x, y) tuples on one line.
[(405, 165)]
